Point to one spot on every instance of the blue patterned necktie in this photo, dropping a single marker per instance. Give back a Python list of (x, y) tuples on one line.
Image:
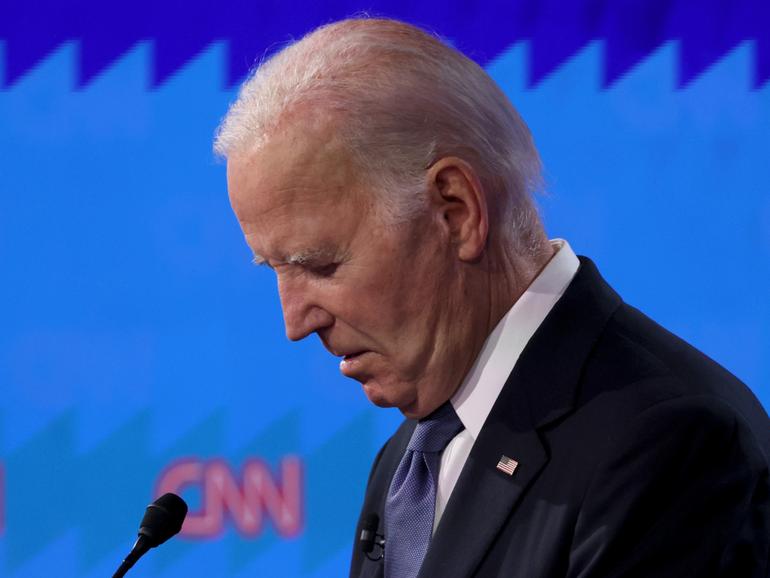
[(411, 503)]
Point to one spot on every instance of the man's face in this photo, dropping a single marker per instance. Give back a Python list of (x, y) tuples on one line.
[(384, 298)]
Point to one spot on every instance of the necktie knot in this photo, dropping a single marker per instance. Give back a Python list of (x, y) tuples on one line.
[(435, 431)]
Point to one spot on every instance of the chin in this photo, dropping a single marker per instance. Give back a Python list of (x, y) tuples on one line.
[(414, 410), (388, 396)]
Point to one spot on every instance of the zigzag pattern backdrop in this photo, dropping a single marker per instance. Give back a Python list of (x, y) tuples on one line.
[(557, 29), (140, 350)]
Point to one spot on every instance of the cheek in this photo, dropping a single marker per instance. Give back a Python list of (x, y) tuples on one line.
[(385, 315), (407, 318), (397, 301)]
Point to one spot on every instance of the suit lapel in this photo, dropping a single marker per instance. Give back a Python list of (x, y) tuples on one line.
[(541, 388), (372, 570), (482, 500)]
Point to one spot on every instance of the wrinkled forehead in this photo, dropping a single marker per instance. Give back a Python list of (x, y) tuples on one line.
[(297, 198), (292, 165)]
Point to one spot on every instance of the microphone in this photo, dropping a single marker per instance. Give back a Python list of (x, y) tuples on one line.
[(369, 537), (162, 519), (369, 532)]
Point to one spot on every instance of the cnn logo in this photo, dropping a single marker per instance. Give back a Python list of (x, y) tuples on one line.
[(249, 499)]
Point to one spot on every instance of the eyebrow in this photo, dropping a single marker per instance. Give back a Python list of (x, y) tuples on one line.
[(303, 257), (308, 256)]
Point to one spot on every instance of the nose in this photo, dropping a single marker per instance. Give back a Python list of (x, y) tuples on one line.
[(303, 313)]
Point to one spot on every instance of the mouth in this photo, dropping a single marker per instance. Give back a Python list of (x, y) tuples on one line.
[(350, 356), (351, 363)]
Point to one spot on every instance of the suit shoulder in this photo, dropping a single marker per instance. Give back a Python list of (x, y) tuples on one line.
[(637, 364)]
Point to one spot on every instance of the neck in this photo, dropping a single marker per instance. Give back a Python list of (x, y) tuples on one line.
[(499, 280), (508, 277)]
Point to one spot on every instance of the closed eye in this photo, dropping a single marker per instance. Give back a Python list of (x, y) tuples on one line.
[(326, 270)]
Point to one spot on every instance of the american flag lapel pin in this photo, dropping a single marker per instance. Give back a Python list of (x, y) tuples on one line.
[(507, 465)]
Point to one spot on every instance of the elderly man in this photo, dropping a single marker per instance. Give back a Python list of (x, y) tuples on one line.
[(551, 429)]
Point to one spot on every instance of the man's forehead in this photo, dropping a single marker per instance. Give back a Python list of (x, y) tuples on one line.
[(294, 231), (288, 169), (299, 140), (297, 198)]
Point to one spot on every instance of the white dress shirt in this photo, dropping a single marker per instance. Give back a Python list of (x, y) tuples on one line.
[(479, 390)]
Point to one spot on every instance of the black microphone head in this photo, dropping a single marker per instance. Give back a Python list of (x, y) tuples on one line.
[(369, 532), (163, 519)]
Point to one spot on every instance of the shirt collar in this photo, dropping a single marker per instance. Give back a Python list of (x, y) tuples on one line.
[(477, 393)]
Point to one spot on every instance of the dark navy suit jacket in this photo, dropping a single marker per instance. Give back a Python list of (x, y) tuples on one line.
[(638, 457)]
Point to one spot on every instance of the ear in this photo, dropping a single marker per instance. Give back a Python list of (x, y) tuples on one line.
[(457, 194)]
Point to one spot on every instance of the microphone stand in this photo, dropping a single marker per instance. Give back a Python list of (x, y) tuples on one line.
[(140, 549)]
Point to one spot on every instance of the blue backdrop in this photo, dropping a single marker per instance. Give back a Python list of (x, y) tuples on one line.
[(139, 349)]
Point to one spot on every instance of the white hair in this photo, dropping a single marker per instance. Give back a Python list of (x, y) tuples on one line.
[(402, 100)]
